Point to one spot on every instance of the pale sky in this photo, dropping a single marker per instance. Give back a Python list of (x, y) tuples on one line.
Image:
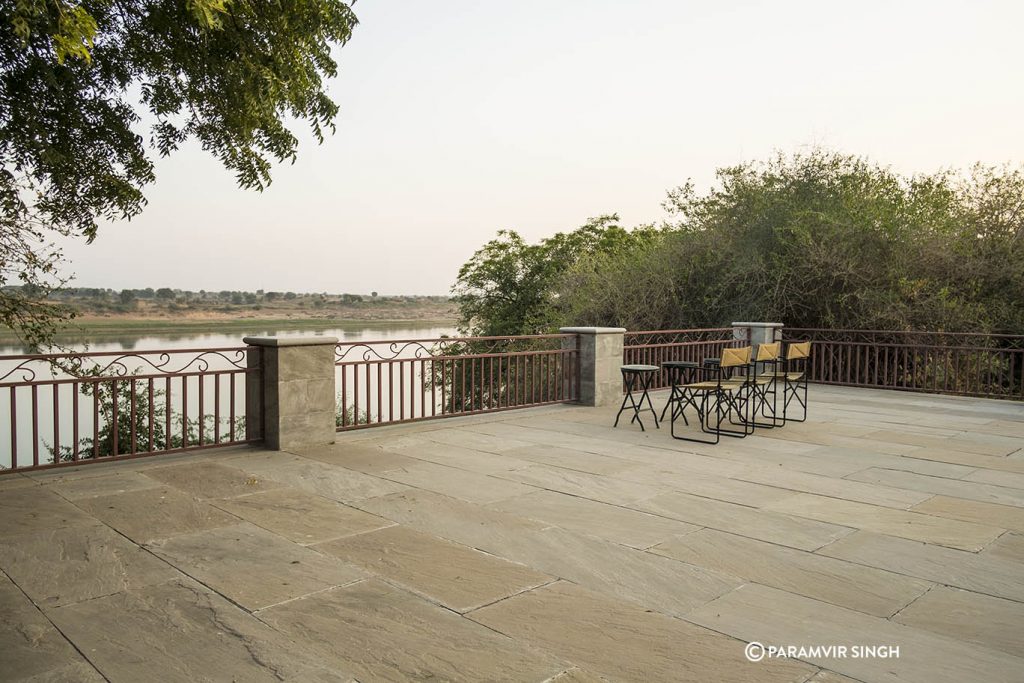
[(462, 117)]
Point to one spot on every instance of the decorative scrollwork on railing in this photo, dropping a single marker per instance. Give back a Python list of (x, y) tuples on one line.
[(448, 347), (668, 337), (30, 369)]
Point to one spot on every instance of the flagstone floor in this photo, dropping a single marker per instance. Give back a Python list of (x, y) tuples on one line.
[(537, 545)]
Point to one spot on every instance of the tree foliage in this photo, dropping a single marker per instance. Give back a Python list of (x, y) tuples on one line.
[(813, 240), (73, 148), (509, 287)]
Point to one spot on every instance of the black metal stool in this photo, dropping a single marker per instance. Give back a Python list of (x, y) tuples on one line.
[(630, 374), (680, 372)]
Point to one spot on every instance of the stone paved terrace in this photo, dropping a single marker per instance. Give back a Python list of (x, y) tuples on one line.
[(535, 545)]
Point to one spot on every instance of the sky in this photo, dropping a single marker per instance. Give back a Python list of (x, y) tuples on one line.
[(463, 117)]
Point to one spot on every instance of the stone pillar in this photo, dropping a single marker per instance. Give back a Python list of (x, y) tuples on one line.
[(292, 399), (760, 333), (600, 357)]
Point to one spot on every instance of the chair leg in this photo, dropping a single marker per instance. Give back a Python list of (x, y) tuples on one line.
[(702, 415)]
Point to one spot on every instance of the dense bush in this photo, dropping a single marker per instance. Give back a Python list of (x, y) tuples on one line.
[(812, 240)]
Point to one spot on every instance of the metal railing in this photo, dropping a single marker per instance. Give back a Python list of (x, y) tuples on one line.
[(968, 364), (654, 347), (64, 409), (405, 380)]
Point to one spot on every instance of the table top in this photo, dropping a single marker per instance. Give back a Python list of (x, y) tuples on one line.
[(679, 364), (640, 368)]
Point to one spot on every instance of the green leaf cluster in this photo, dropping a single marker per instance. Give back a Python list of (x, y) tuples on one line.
[(232, 75), (817, 239)]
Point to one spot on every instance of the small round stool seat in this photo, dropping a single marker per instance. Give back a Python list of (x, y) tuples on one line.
[(632, 375), (640, 368)]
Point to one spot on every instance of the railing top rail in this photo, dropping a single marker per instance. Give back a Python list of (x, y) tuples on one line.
[(515, 337), (123, 352), (901, 332), (695, 329)]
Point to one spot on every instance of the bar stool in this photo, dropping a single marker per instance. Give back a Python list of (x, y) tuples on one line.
[(630, 375)]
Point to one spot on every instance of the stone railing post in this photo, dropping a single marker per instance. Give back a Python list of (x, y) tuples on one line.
[(760, 333), (600, 357), (291, 401)]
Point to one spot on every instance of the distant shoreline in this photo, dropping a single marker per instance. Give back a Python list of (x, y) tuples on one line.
[(117, 325)]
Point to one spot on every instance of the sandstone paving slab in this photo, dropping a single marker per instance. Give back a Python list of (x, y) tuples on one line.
[(1011, 479), (469, 486), (15, 481), (830, 677), (210, 480), (483, 462), (656, 582), (873, 444), (980, 572), (253, 567), (330, 481), (149, 514), (1011, 428), (575, 675), (610, 522), (605, 489), (761, 524), (472, 440), (368, 459), (842, 583), (64, 566), (959, 488), (453, 575), (105, 485), (1009, 546), (181, 631), (913, 525), (971, 443), (1007, 464), (300, 516), (708, 486), (383, 633), (571, 459), (981, 442), (624, 642), (992, 514), (970, 617), (873, 494), (27, 509), (859, 459), (771, 616), (31, 648)]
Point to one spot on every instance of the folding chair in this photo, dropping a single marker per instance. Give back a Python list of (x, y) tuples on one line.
[(798, 355), (723, 395)]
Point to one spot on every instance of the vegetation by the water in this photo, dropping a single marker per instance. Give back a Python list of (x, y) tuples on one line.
[(813, 240), (101, 312)]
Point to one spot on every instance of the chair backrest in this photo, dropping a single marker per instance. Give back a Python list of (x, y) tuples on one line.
[(732, 358), (798, 350), (768, 352)]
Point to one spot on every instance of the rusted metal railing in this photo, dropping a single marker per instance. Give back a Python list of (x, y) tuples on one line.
[(654, 347), (389, 382), (65, 409), (969, 364)]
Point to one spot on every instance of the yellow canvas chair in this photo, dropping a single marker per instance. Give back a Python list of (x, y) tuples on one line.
[(722, 395), (798, 358)]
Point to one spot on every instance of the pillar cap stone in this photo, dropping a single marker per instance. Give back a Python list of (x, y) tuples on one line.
[(592, 330), (290, 341), (743, 324)]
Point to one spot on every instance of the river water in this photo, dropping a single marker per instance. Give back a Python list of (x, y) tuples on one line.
[(38, 419), (138, 341)]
